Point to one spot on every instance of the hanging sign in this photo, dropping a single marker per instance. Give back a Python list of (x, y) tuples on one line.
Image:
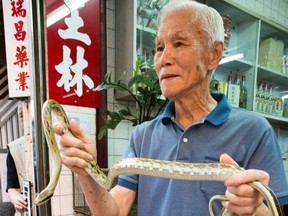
[(18, 46), (73, 33)]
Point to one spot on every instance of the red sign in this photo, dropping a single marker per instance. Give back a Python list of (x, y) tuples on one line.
[(73, 33)]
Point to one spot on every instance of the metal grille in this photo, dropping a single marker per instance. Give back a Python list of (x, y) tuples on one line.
[(9, 123)]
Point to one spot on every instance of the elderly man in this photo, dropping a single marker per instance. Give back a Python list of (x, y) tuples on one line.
[(195, 127)]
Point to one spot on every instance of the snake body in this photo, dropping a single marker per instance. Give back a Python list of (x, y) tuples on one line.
[(142, 166)]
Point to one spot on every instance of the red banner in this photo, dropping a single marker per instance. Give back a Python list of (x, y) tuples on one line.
[(73, 33)]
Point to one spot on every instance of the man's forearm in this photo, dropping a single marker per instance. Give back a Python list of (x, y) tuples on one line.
[(98, 199)]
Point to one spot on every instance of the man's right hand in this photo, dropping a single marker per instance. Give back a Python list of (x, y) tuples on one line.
[(76, 148)]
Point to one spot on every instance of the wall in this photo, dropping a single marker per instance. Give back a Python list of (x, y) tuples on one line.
[(118, 138), (274, 10)]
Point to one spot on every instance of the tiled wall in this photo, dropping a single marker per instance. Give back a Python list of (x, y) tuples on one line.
[(118, 138), (275, 10), (62, 201)]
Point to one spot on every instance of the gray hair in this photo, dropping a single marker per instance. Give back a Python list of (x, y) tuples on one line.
[(209, 20)]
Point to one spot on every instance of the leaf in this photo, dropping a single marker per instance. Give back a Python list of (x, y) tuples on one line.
[(122, 75), (125, 112), (107, 77), (102, 132), (134, 122), (103, 86), (148, 92), (137, 79)]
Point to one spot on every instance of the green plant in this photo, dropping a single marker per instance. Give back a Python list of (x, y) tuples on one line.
[(144, 89)]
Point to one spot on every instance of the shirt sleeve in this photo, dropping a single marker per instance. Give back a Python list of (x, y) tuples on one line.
[(130, 181), (12, 177)]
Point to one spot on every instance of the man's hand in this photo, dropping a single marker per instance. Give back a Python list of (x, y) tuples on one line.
[(76, 148), (243, 199)]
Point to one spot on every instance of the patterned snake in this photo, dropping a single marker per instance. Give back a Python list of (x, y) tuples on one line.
[(142, 166)]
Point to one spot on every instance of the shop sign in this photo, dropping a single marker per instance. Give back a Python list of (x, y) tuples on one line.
[(18, 46), (73, 33)]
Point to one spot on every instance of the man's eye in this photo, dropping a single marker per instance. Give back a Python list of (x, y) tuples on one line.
[(178, 44), (159, 48)]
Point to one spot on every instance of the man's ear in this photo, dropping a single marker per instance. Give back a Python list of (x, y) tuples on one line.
[(216, 55)]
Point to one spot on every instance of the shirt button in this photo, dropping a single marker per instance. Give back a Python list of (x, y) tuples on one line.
[(185, 140)]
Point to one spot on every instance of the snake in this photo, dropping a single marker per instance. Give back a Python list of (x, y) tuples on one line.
[(141, 166)]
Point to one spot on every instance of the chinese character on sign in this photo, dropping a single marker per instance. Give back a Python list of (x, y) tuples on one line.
[(74, 52), (17, 41), (67, 79), (72, 75), (21, 56), (64, 69), (20, 35), (17, 8), (74, 23), (22, 80)]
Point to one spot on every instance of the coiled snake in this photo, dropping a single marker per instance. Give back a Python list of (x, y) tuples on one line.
[(142, 166)]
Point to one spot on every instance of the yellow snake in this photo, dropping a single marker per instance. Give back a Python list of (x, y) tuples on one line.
[(142, 166)]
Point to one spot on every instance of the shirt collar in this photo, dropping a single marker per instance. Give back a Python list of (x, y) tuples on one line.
[(217, 117)]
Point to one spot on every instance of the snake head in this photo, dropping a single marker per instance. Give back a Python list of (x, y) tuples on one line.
[(40, 199)]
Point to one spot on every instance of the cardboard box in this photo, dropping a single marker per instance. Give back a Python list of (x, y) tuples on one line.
[(271, 53)]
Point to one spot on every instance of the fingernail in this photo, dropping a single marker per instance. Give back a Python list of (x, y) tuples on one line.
[(89, 157)]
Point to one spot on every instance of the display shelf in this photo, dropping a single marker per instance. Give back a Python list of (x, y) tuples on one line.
[(273, 40), (145, 39), (277, 78), (239, 64), (275, 120), (146, 29), (270, 31), (225, 8)]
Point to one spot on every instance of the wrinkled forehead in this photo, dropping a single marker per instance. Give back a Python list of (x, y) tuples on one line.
[(179, 25), (173, 34)]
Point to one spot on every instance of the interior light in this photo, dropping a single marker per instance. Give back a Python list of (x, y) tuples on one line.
[(231, 58), (64, 10)]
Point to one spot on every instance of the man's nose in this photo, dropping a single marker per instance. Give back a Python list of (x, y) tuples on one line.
[(166, 58)]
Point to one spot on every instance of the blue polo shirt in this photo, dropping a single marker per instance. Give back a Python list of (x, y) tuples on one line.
[(246, 136)]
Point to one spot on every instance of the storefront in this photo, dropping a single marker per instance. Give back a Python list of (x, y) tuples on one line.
[(70, 47), (38, 26)]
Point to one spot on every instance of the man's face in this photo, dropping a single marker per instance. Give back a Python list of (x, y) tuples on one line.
[(181, 60)]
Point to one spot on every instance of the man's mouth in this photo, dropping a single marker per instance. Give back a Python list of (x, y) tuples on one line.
[(168, 76)]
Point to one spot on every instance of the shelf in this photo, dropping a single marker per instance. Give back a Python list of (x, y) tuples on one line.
[(239, 64), (146, 39), (225, 8), (146, 29), (272, 76), (269, 31), (280, 121)]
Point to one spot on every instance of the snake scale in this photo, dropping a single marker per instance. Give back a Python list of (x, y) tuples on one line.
[(141, 166)]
